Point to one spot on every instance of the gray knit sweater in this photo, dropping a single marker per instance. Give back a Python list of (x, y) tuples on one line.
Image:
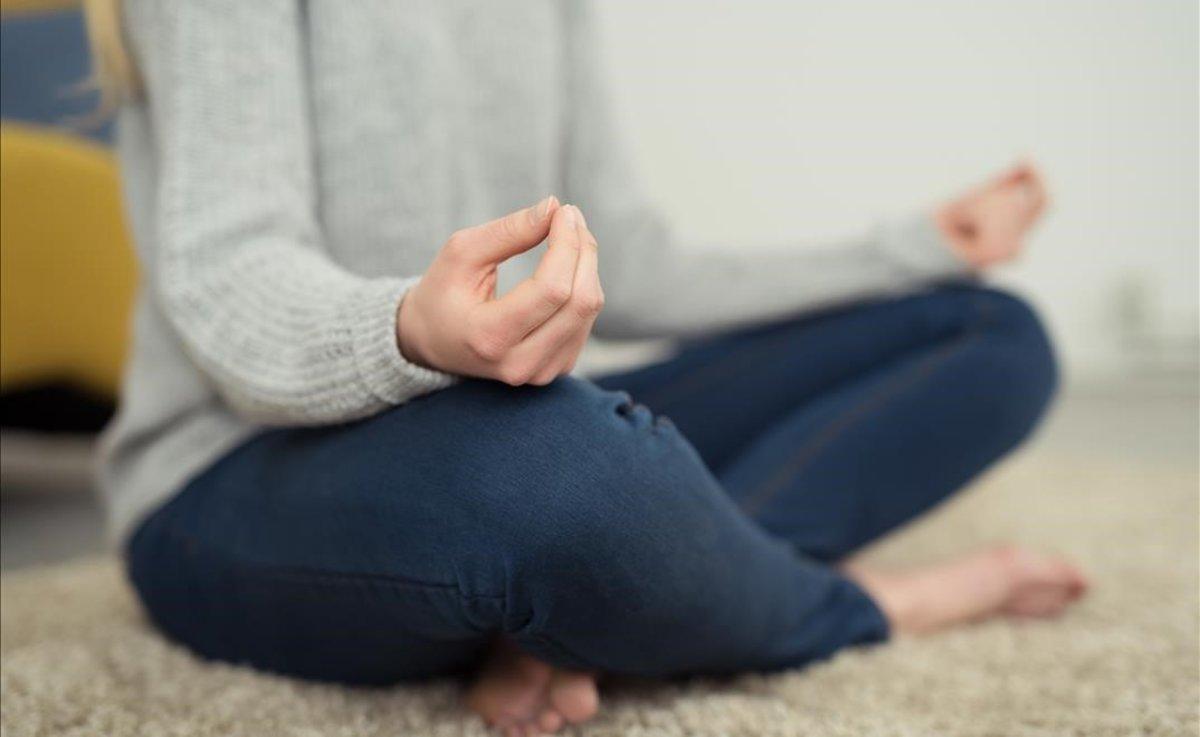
[(292, 167)]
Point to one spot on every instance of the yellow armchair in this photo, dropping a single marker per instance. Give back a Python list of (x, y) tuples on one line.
[(67, 273)]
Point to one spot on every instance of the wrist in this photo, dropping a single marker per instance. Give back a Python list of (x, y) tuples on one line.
[(408, 331), (952, 231)]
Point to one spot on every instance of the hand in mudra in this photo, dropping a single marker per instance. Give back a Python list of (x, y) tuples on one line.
[(988, 225), (453, 321)]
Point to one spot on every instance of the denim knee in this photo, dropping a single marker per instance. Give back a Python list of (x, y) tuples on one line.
[(640, 563), (1022, 374), (1016, 319), (603, 519), (625, 471)]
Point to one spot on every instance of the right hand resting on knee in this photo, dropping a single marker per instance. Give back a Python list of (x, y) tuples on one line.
[(453, 321)]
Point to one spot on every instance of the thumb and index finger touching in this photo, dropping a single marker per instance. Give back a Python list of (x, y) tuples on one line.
[(498, 240), (533, 301)]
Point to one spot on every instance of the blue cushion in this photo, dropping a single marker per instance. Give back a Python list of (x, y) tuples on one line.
[(43, 58)]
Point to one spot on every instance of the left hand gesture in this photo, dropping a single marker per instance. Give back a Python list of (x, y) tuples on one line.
[(988, 226)]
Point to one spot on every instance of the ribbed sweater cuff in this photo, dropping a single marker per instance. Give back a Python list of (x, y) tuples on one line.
[(381, 366), (919, 248)]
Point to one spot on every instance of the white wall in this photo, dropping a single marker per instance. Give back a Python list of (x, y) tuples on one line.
[(755, 120)]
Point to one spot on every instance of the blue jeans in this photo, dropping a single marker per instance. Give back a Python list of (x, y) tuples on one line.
[(586, 526)]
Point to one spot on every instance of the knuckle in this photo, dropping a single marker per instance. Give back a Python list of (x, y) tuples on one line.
[(554, 294), (486, 345), (543, 379), (514, 375), (588, 306)]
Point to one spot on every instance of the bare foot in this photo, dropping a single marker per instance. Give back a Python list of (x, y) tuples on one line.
[(1004, 580), (522, 696)]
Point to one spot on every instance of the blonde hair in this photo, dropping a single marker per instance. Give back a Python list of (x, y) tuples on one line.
[(113, 71)]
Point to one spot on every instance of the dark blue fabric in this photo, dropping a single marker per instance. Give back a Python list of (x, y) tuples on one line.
[(43, 60), (587, 527)]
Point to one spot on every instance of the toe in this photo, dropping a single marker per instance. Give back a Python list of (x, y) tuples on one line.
[(574, 695), (1069, 578), (510, 693), (1079, 581), (1044, 603), (550, 721)]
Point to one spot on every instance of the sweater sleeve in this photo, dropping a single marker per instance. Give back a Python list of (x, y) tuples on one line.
[(238, 265), (654, 288)]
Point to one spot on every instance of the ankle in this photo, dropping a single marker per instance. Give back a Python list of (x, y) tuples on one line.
[(893, 596), (929, 599)]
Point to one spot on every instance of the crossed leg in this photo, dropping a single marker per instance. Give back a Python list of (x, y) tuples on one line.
[(589, 534), (831, 430)]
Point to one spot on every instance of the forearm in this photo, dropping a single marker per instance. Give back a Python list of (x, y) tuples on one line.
[(657, 289), (288, 338)]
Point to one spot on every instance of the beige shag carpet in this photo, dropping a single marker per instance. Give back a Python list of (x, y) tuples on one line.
[(79, 659)]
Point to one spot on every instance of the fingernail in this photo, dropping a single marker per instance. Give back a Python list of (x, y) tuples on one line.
[(543, 208), (569, 212), (582, 219)]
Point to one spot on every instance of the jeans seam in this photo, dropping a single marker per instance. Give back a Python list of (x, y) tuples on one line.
[(720, 371), (303, 574), (712, 374), (755, 502)]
